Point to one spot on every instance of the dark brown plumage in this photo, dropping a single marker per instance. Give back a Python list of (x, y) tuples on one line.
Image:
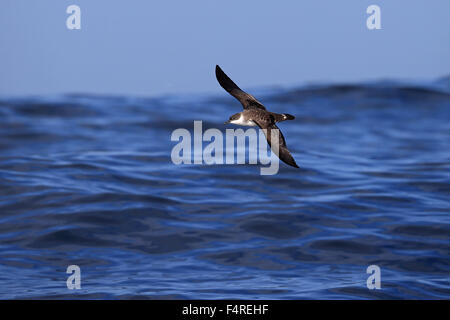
[(255, 113)]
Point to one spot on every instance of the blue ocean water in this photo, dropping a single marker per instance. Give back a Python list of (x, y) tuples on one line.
[(87, 180)]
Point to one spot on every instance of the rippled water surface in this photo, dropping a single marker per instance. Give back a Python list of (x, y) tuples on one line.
[(88, 180)]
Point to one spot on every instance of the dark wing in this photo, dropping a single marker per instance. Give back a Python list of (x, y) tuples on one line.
[(283, 152), (247, 100)]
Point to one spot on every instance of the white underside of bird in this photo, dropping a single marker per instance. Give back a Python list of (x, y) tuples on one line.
[(243, 122)]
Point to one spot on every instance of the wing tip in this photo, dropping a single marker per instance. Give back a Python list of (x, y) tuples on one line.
[(225, 81), (292, 163), (219, 71), (287, 158)]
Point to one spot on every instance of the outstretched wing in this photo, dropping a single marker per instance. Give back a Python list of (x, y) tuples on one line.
[(247, 100), (282, 152)]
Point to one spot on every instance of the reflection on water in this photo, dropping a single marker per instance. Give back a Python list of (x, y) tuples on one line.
[(88, 180)]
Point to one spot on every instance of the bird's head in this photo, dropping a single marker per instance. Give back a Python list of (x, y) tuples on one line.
[(234, 118)]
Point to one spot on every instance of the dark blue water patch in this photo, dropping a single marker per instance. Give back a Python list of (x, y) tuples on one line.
[(88, 180)]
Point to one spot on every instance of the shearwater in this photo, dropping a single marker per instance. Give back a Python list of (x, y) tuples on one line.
[(255, 114)]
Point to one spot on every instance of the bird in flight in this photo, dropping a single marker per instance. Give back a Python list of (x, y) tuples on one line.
[(255, 114)]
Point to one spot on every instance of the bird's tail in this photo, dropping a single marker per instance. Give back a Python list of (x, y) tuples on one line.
[(288, 116), (278, 117)]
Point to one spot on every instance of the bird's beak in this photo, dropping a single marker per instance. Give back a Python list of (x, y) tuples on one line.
[(226, 122)]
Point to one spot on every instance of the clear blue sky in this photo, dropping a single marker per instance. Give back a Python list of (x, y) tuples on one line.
[(157, 47)]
